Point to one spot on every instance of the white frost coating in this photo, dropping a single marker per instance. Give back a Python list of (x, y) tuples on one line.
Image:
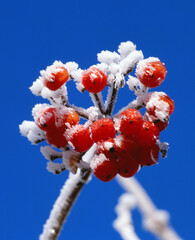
[(161, 107), (49, 153), (25, 127), (90, 153), (124, 223), (32, 132), (93, 113), (55, 168), (125, 48), (98, 102), (133, 83), (71, 67), (103, 67), (108, 57), (38, 108), (37, 87), (50, 70), (97, 160), (143, 64), (136, 86), (155, 221), (77, 77), (130, 61), (61, 203)]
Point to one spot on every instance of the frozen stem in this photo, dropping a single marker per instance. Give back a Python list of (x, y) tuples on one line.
[(63, 205), (98, 101), (66, 199), (111, 99), (81, 111)]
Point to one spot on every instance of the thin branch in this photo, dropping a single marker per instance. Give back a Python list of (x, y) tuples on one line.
[(66, 199), (155, 221), (111, 99), (136, 104), (98, 101), (63, 205), (124, 222), (81, 111)]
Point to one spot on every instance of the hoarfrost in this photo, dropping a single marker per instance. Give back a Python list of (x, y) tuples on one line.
[(125, 48), (108, 57)]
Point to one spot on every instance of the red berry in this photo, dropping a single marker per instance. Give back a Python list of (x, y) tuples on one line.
[(65, 118), (127, 167), (103, 168), (125, 147), (130, 121), (151, 72), (94, 80), (79, 138), (148, 134), (55, 137), (148, 156), (159, 124), (46, 119), (160, 106), (108, 148), (57, 79), (102, 129)]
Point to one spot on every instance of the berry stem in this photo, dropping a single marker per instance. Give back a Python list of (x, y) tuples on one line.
[(112, 95), (81, 111), (98, 102), (68, 195), (63, 205), (136, 104)]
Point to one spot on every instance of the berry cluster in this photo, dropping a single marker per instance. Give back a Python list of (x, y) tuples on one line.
[(125, 141)]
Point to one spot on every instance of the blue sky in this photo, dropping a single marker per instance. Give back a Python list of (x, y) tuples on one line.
[(33, 35)]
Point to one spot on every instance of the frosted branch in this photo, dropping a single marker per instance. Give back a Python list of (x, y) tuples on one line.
[(81, 111), (155, 221), (124, 223), (136, 104), (66, 199), (98, 101)]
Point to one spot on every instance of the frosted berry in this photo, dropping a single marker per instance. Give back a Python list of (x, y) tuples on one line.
[(46, 119), (130, 121), (148, 156), (127, 167), (55, 137), (159, 124), (102, 129), (151, 72), (126, 147), (79, 138), (159, 105), (57, 79), (94, 80), (148, 134), (103, 168), (107, 148), (65, 118)]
